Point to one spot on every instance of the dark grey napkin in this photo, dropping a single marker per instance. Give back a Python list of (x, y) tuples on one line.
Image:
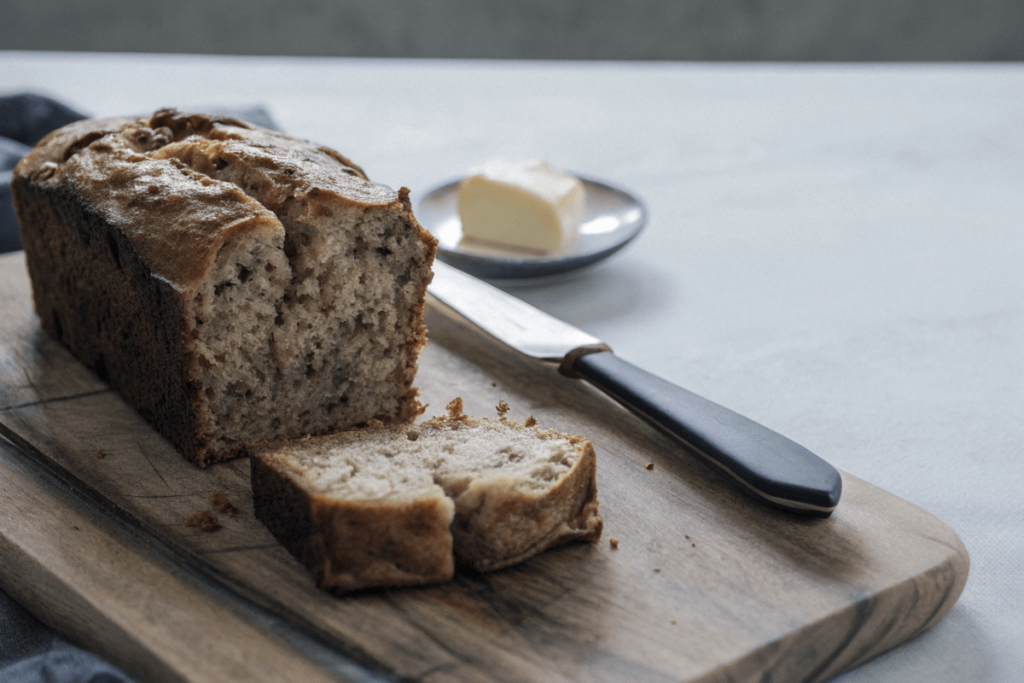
[(32, 653), (10, 152), (26, 118)]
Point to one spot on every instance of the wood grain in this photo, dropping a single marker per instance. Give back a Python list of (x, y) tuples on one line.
[(112, 591), (705, 584)]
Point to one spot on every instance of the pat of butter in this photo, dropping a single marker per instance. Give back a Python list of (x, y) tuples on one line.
[(522, 203)]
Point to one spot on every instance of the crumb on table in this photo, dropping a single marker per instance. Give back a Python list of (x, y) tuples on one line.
[(614, 543), (649, 465), (100, 454)]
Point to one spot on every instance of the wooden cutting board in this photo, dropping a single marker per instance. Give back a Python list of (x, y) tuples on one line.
[(704, 584)]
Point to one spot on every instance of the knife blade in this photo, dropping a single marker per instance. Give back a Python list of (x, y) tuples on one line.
[(766, 464)]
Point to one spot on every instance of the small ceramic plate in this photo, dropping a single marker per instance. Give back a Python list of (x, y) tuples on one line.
[(613, 217)]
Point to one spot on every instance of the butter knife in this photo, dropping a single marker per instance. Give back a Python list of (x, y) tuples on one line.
[(766, 464)]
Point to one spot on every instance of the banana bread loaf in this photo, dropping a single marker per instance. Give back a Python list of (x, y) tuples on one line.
[(396, 506), (234, 284)]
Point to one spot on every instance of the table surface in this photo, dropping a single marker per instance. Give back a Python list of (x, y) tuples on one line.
[(832, 250)]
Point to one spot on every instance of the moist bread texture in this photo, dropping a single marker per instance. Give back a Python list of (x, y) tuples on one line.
[(400, 506), (234, 284)]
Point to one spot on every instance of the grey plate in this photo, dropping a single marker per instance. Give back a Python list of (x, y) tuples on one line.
[(613, 217)]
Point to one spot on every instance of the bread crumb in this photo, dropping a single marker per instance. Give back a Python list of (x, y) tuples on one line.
[(494, 384), (614, 543), (204, 520), (100, 454), (686, 536), (455, 417), (530, 422), (223, 504), (454, 408), (374, 424), (657, 570), (673, 622), (693, 545), (502, 408), (649, 465), (412, 435)]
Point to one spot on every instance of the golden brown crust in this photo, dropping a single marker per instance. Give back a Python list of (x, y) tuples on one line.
[(174, 219), (158, 190)]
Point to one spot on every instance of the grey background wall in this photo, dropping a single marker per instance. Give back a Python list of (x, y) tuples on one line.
[(798, 30)]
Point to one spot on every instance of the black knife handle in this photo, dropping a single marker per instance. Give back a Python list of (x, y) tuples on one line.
[(770, 466)]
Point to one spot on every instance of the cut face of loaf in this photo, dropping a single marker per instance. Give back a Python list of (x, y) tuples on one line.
[(236, 285), (395, 506)]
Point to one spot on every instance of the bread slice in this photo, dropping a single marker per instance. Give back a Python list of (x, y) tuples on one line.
[(389, 506), (235, 284)]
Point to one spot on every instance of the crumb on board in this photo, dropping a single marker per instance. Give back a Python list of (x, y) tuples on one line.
[(657, 570), (494, 384), (673, 622), (502, 408), (693, 545), (100, 454), (203, 520), (614, 543), (649, 465), (686, 536), (412, 435), (220, 500), (530, 422)]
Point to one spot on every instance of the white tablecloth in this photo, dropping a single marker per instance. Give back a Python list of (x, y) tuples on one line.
[(834, 251)]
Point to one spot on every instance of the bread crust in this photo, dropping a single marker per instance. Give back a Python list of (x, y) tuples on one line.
[(85, 271), (497, 526), (175, 219), (351, 546)]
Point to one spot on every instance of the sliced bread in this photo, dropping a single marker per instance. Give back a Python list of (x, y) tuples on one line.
[(397, 506)]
